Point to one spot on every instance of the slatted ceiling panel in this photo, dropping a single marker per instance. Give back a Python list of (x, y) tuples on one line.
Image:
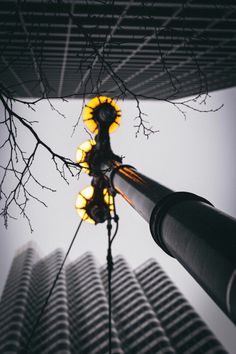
[(42, 47)]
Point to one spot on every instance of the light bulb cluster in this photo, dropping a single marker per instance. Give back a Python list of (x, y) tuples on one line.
[(94, 209), (82, 154), (102, 110), (102, 116)]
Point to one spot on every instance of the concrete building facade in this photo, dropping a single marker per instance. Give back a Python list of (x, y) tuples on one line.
[(149, 314)]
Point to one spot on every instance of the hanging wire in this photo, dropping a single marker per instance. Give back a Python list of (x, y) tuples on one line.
[(110, 267), (115, 217), (27, 346)]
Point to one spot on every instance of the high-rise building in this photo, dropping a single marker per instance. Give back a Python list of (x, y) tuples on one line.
[(155, 49), (149, 315)]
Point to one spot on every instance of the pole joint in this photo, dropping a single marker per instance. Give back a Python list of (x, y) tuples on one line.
[(162, 208)]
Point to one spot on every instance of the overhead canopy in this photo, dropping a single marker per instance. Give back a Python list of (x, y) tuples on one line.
[(148, 48)]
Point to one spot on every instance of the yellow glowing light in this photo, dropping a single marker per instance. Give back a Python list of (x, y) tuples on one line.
[(94, 103), (83, 197), (81, 154), (108, 199)]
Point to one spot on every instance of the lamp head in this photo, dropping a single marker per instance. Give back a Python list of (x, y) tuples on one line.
[(94, 204), (102, 112), (83, 154)]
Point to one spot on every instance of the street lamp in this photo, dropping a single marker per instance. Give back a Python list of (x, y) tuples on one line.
[(184, 225)]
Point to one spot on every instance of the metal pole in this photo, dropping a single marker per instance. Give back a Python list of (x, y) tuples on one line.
[(187, 227)]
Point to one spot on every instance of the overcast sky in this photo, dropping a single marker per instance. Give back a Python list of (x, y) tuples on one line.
[(195, 154)]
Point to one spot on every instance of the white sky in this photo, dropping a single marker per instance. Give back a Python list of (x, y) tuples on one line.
[(196, 155)]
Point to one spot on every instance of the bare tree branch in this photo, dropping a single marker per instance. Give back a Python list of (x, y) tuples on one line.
[(95, 67)]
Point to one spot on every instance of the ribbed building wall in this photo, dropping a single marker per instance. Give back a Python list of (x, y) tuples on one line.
[(149, 315), (138, 327), (185, 329), (88, 308), (14, 317), (53, 332)]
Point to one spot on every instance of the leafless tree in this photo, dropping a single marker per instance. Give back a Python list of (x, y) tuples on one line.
[(95, 54)]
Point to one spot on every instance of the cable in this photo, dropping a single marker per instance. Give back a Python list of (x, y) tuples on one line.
[(117, 227), (115, 218), (109, 273), (27, 346), (110, 267)]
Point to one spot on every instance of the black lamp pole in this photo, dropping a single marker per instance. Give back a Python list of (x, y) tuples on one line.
[(187, 227), (184, 225)]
